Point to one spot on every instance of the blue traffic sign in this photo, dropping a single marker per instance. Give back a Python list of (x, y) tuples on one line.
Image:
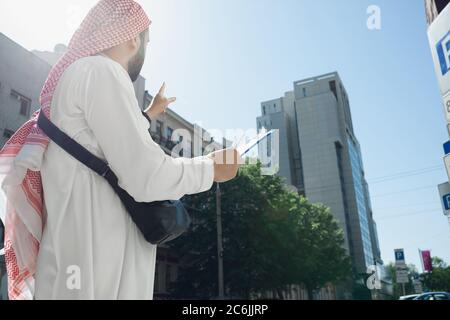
[(446, 201), (399, 255), (447, 147)]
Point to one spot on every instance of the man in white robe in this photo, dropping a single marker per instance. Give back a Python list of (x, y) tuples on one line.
[(89, 247)]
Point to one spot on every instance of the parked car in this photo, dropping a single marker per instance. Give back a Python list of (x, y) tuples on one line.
[(409, 297), (433, 296)]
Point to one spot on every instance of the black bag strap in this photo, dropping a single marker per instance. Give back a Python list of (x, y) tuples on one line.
[(72, 147)]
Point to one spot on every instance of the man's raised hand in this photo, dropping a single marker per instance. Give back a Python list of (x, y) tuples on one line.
[(160, 103)]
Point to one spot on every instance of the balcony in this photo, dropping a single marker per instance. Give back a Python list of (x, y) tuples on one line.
[(167, 144)]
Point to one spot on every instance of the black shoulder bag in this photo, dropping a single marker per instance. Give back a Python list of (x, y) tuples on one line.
[(159, 222)]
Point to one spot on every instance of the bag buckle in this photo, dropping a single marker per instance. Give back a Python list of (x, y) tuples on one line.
[(107, 170)]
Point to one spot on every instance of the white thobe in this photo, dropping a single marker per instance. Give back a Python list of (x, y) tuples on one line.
[(90, 248)]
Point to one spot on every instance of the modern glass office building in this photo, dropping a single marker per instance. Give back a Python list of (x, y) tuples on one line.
[(320, 156), (361, 201)]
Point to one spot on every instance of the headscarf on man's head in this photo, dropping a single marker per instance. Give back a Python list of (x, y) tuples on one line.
[(109, 23)]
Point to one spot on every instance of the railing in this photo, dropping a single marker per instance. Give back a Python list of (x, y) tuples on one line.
[(162, 141)]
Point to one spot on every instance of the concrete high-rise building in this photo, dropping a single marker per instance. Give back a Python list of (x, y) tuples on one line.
[(320, 156)]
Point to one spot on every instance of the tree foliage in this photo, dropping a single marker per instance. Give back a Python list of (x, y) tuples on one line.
[(271, 238), (439, 278)]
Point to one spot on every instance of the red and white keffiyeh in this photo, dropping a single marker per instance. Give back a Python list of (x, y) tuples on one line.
[(109, 23)]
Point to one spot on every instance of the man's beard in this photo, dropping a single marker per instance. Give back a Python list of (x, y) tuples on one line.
[(136, 63)]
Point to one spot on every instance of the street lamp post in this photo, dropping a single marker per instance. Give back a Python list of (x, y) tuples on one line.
[(219, 242)]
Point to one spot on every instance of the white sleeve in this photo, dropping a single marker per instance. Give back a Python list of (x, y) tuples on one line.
[(143, 169)]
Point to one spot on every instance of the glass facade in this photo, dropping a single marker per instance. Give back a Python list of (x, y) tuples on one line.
[(360, 194), (373, 225)]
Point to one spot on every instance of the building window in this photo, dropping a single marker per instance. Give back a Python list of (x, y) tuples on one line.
[(269, 147), (159, 126), (25, 108), (333, 88), (8, 133), (304, 92), (25, 103), (169, 133), (264, 110)]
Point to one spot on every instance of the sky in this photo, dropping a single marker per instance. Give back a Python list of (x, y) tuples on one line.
[(221, 59)]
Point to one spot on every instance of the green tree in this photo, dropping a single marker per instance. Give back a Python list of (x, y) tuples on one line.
[(439, 278), (322, 258), (271, 238)]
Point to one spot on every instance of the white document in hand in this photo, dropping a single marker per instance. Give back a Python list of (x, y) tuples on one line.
[(243, 149)]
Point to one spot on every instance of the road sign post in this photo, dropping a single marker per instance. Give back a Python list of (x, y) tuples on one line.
[(401, 273)]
